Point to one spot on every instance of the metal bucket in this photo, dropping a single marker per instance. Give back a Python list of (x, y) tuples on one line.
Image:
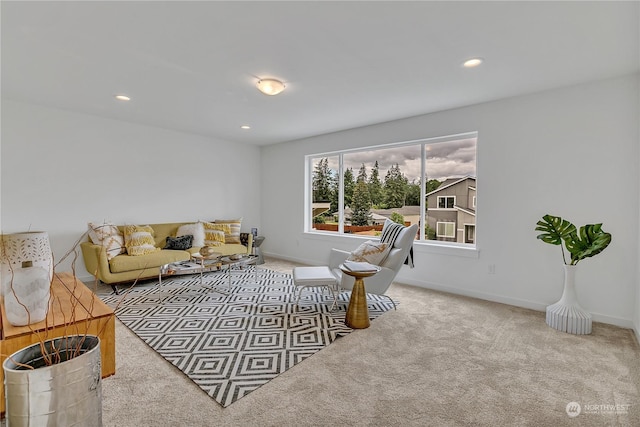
[(66, 393)]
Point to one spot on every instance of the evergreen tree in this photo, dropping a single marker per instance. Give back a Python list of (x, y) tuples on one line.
[(349, 185), (413, 193), (375, 186), (395, 188), (334, 195), (362, 175), (321, 182), (361, 204)]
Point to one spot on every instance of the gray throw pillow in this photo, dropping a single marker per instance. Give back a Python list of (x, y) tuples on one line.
[(181, 243)]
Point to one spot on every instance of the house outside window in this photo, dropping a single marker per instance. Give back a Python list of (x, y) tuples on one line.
[(428, 182)]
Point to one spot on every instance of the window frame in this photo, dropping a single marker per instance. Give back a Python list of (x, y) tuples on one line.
[(453, 225), (453, 205), (460, 248)]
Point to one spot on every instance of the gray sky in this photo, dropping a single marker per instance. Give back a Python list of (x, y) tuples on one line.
[(444, 160)]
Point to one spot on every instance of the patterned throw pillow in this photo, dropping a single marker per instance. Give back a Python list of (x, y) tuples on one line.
[(181, 243), (138, 239), (100, 231), (214, 238), (390, 232), (215, 234), (371, 252), (233, 236), (108, 236), (196, 230)]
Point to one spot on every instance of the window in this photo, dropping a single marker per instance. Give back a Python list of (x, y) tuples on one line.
[(446, 230), (430, 182), (446, 202)]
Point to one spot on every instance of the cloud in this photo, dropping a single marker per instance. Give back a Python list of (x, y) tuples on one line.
[(444, 160)]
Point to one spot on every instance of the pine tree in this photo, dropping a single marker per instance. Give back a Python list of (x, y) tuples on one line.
[(375, 186), (395, 188), (321, 181), (362, 174), (349, 185), (361, 204)]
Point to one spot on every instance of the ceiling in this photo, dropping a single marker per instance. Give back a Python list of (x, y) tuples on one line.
[(192, 66)]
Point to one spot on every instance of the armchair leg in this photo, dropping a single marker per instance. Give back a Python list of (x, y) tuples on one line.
[(115, 289)]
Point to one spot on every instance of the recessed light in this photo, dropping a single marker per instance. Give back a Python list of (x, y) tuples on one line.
[(122, 98), (473, 62), (270, 86), (245, 127)]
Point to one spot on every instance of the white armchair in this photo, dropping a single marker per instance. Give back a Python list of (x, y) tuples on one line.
[(379, 283)]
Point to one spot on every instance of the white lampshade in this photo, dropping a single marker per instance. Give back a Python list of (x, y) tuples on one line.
[(270, 86), (21, 250)]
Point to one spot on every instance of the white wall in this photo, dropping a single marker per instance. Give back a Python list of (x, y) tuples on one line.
[(61, 170), (571, 152), (636, 321)]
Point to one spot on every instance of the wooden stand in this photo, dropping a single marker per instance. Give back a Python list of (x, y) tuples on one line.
[(76, 310)]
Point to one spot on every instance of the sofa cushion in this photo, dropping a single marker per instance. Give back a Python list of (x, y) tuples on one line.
[(138, 239), (233, 236), (148, 262), (196, 230), (181, 243)]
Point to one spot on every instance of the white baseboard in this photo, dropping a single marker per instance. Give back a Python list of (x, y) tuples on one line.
[(532, 305)]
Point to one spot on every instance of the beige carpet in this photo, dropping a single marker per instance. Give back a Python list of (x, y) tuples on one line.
[(439, 360)]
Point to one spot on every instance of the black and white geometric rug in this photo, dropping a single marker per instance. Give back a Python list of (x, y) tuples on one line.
[(233, 341)]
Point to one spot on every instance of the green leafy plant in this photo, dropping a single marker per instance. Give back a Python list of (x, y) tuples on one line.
[(581, 243)]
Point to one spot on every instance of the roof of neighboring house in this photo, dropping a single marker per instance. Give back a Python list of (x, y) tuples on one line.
[(405, 210), (374, 216), (467, 210), (320, 208), (450, 182)]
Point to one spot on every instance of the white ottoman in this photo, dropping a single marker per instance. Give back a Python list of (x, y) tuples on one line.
[(304, 277)]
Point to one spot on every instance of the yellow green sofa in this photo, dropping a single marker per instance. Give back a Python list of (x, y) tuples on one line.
[(127, 268)]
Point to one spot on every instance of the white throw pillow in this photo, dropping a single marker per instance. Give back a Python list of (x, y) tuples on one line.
[(371, 252), (108, 236), (196, 230), (100, 231)]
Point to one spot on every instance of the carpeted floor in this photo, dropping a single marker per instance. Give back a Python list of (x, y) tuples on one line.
[(230, 340), (439, 360)]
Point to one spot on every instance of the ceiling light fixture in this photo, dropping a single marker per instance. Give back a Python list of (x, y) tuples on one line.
[(122, 98), (245, 127), (270, 86), (473, 62)]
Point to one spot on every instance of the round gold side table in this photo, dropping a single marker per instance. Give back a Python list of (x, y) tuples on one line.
[(358, 313)]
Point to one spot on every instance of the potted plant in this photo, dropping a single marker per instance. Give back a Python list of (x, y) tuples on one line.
[(567, 315), (56, 380)]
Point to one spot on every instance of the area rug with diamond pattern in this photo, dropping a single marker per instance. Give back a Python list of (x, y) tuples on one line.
[(231, 339)]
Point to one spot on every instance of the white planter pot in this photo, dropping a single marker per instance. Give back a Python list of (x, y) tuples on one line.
[(567, 315), (62, 394)]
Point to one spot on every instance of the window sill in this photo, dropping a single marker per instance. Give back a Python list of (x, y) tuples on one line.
[(432, 247)]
